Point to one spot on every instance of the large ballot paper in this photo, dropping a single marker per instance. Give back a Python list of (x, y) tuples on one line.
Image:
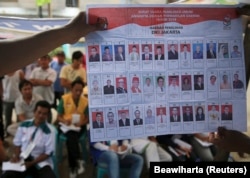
[(165, 69)]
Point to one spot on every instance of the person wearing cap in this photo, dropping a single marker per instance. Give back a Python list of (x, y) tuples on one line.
[(135, 85), (121, 87)]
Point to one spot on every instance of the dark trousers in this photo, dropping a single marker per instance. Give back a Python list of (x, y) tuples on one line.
[(1, 120), (8, 109), (73, 146), (45, 172), (58, 96)]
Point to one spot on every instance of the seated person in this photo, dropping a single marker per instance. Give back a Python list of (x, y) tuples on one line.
[(107, 153), (37, 132), (178, 146), (73, 104), (150, 148), (24, 105)]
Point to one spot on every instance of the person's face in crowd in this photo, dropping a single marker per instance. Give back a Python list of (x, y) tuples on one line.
[(44, 62), (123, 115), (60, 59), (95, 84), (158, 51), (146, 50), (137, 114), (41, 114), (98, 117), (111, 117), (93, 51), (108, 82), (236, 77), (27, 91), (149, 112), (174, 111), (212, 80), (76, 91), (200, 111), (226, 110), (134, 49), (121, 83), (187, 111), (77, 63), (160, 82), (148, 81), (120, 49)]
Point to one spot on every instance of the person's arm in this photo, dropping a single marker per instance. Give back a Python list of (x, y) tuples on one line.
[(231, 140), (60, 111), (23, 51), (3, 155)]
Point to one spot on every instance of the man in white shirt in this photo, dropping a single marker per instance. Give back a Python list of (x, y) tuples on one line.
[(213, 114), (161, 117), (134, 55), (148, 87), (185, 54), (160, 85)]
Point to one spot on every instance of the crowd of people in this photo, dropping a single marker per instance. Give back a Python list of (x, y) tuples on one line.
[(35, 129)]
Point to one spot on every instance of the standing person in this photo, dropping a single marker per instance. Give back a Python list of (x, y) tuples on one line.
[(10, 94), (108, 89), (38, 132), (71, 72), (57, 66), (74, 103), (24, 105), (43, 79)]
